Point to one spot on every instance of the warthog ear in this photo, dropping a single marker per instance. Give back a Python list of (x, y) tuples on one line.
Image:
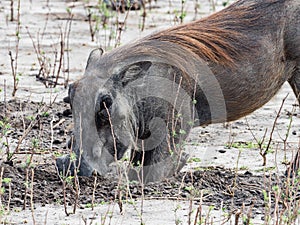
[(94, 56), (133, 72), (103, 109)]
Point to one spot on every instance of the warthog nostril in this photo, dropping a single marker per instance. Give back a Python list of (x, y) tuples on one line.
[(102, 109), (105, 102)]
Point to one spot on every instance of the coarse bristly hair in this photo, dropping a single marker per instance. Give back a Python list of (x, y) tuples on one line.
[(220, 37)]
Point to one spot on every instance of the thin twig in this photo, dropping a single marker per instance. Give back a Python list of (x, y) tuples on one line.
[(272, 131), (94, 189), (1, 179), (62, 45), (31, 197), (120, 28)]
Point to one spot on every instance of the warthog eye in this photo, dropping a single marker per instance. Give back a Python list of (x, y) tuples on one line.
[(103, 109)]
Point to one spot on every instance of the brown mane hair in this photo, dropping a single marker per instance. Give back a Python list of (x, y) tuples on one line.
[(220, 37)]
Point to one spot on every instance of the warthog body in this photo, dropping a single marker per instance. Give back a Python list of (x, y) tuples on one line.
[(144, 97)]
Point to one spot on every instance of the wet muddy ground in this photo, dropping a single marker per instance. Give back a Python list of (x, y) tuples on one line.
[(217, 183)]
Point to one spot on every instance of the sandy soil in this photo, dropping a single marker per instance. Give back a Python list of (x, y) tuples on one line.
[(214, 172)]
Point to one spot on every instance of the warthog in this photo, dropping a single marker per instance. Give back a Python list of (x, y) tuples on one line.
[(144, 97)]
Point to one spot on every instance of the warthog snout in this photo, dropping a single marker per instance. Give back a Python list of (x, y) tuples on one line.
[(68, 164)]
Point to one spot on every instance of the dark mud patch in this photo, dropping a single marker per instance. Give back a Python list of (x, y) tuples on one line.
[(218, 187), (213, 186)]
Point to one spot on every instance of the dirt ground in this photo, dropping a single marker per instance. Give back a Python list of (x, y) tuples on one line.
[(224, 175)]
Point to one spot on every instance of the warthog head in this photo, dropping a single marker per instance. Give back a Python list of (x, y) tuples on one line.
[(104, 121), (129, 103)]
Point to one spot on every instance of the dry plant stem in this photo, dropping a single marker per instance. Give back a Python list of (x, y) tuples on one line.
[(194, 120), (63, 180), (92, 31), (227, 218), (67, 35), (264, 153), (28, 164), (128, 193), (76, 170), (144, 15), (120, 28), (182, 11), (80, 147), (206, 220), (119, 192), (213, 5), (94, 189), (181, 184), (284, 140), (5, 101), (31, 196), (26, 187), (237, 217), (103, 218), (142, 182), (258, 142), (191, 202), (52, 133), (236, 174), (196, 9), (8, 152), (190, 211), (14, 61), (267, 207), (11, 10), (112, 132), (276, 207), (291, 201), (46, 68), (47, 19), (40, 57), (65, 198), (174, 123), (231, 135), (1, 178), (60, 58), (199, 210), (249, 215), (77, 191), (12, 66), (9, 196)]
